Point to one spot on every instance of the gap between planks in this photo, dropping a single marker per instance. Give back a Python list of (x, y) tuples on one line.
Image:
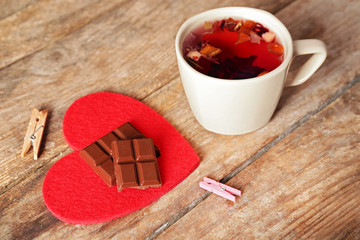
[(256, 156)]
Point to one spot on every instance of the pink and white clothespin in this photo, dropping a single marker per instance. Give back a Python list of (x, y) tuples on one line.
[(220, 189)]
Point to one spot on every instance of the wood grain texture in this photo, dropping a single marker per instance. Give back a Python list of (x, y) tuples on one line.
[(44, 22), (306, 187), (106, 52), (9, 7)]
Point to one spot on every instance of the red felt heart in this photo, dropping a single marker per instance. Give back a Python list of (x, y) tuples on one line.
[(75, 194)]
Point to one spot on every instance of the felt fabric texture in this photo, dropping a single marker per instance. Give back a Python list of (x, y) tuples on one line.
[(75, 194)]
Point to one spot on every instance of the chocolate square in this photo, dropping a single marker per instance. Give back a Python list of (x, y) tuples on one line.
[(94, 154), (144, 149), (105, 142)]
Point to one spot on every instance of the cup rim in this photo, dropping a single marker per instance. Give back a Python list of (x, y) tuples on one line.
[(196, 20)]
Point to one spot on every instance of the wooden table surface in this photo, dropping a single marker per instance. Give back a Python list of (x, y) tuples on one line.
[(300, 174)]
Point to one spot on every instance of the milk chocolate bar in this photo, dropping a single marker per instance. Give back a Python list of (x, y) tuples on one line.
[(99, 154), (135, 164)]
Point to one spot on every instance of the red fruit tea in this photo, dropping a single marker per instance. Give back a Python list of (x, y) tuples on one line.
[(232, 49)]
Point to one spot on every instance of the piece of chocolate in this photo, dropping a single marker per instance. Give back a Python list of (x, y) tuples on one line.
[(148, 174), (99, 154), (135, 164), (105, 142), (126, 175), (128, 131), (144, 149), (123, 151), (100, 162), (106, 172), (94, 154)]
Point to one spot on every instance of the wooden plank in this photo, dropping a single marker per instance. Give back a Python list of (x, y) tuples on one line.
[(62, 76), (10, 7), (44, 22), (306, 187), (23, 212)]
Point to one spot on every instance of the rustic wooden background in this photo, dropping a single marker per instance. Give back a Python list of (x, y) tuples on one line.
[(300, 174)]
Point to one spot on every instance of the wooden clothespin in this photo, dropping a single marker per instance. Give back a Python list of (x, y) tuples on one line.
[(34, 132), (220, 189)]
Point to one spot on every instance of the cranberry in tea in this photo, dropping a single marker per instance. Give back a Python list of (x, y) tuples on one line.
[(233, 49)]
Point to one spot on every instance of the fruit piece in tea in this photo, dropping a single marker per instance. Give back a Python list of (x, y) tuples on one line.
[(233, 49)]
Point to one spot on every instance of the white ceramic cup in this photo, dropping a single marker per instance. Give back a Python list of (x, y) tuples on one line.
[(240, 106)]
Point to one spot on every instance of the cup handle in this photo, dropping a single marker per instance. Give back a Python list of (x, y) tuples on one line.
[(307, 46)]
